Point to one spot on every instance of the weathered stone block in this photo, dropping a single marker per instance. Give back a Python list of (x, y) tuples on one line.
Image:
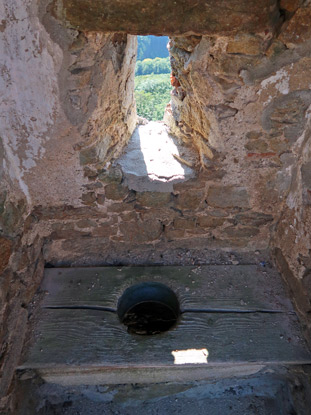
[(190, 200), (62, 226), (129, 216), (94, 154), (12, 217), (185, 223), (20, 259), (210, 221), (139, 232), (89, 198), (290, 5), (192, 184), (68, 234), (279, 145), (230, 64), (187, 43), (253, 135), (218, 213), (69, 251), (223, 111), (306, 182), (90, 173), (5, 252), (172, 234), (65, 212), (116, 191), (160, 18), (257, 146), (253, 218), (306, 174), (275, 49), (105, 230), (116, 208), (86, 223), (287, 114), (153, 199), (93, 186), (298, 29), (100, 199), (2, 202), (245, 44), (112, 175), (235, 232), (228, 196)]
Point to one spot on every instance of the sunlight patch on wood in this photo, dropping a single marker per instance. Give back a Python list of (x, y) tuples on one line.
[(182, 357)]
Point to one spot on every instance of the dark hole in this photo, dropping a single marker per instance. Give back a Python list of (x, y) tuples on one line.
[(148, 308)]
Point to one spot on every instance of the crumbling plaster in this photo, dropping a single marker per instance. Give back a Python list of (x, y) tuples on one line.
[(29, 87), (44, 118)]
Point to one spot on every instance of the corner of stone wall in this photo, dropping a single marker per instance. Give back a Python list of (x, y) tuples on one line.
[(291, 240), (21, 270), (299, 293)]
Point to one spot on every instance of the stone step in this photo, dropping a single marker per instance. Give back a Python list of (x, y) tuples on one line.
[(269, 392)]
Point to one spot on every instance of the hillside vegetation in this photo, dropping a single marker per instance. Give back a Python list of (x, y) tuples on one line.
[(152, 77), (153, 66), (152, 94)]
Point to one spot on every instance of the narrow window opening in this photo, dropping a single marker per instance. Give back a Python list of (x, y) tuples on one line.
[(155, 158), (152, 77)]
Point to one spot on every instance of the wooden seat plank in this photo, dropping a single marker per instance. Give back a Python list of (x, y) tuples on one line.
[(212, 286), (95, 338)]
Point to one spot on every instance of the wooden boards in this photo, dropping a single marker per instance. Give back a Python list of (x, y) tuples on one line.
[(218, 286), (73, 342)]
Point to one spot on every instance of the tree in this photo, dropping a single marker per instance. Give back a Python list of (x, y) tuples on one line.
[(147, 66), (152, 94), (156, 66), (138, 68)]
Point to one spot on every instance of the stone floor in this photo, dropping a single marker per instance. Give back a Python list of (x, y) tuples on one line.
[(270, 392)]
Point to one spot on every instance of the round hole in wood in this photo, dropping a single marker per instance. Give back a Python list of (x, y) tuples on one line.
[(148, 308)]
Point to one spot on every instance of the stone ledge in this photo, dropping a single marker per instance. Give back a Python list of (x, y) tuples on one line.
[(154, 161)]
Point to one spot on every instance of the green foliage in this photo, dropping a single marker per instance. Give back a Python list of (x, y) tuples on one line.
[(152, 47), (153, 66), (152, 94), (152, 79)]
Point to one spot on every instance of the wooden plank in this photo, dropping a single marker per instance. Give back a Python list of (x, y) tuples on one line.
[(219, 286), (90, 338), (120, 375)]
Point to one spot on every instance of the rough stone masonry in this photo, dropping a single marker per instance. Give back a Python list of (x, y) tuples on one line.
[(67, 113)]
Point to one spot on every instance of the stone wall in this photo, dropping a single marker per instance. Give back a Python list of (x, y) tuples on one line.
[(21, 269), (63, 106), (244, 102), (21, 262), (170, 17), (241, 104), (291, 241)]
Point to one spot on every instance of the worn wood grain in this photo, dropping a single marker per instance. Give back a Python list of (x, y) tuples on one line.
[(93, 338), (78, 346), (218, 286)]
